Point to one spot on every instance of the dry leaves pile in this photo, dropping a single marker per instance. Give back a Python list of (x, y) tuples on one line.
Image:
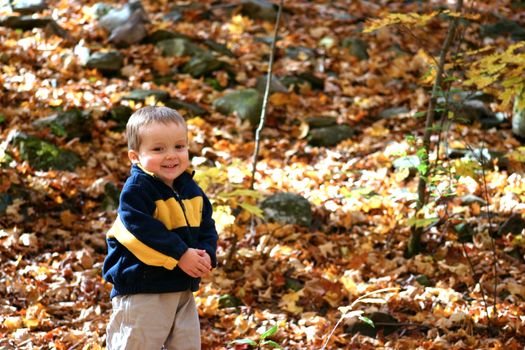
[(52, 237)]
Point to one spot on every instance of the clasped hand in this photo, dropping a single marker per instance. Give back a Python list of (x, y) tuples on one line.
[(195, 262)]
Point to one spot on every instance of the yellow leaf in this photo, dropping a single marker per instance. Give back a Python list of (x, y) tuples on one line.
[(467, 168), (13, 322), (288, 302)]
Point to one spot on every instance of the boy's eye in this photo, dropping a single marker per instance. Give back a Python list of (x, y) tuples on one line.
[(180, 146), (157, 149)]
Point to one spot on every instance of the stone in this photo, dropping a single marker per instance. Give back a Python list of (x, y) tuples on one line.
[(518, 118), (259, 9), (202, 64), (515, 225), (191, 109), (24, 22), (330, 135), (43, 155), (356, 47), (140, 95), (178, 47), (275, 85), (115, 18), (72, 124), (27, 7), (410, 162), (287, 208), (246, 104), (321, 122), (106, 61), (219, 48)]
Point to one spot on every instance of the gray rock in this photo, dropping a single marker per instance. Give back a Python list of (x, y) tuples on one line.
[(518, 118), (218, 47), (392, 112), (178, 47), (191, 109), (106, 62), (131, 32), (275, 85), (202, 64), (118, 17), (470, 199), (27, 7), (162, 34), (43, 155), (24, 22), (410, 162), (246, 104), (469, 107), (259, 9), (100, 9), (320, 122), (298, 52), (356, 47), (5, 201), (330, 135), (302, 78), (464, 231), (515, 224), (481, 155), (71, 124), (120, 114), (287, 208), (140, 95), (504, 27)]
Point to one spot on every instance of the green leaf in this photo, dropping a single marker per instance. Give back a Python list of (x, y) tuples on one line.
[(269, 332), (244, 341), (252, 209), (271, 343), (413, 221), (367, 321)]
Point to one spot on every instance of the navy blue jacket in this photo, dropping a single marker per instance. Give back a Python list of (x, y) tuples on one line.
[(155, 226)]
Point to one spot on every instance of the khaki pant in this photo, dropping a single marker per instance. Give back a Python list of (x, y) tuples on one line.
[(154, 321)]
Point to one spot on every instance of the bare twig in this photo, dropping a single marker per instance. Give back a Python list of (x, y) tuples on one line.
[(262, 120)]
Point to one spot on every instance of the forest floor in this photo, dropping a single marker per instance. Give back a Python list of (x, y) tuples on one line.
[(456, 294)]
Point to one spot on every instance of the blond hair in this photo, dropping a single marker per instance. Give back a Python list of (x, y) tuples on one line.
[(145, 116)]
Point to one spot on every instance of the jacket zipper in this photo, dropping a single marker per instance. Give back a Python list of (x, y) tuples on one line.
[(177, 197)]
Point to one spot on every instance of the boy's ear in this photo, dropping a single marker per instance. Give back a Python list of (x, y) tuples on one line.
[(133, 156)]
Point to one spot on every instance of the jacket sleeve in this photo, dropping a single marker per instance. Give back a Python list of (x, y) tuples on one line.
[(208, 234), (142, 234)]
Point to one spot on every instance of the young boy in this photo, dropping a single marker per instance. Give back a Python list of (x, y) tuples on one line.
[(162, 241)]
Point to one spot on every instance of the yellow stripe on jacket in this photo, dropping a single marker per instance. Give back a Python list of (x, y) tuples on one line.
[(147, 255), (170, 213)]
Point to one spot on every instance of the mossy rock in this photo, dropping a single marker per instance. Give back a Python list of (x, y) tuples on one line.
[(43, 155), (71, 124)]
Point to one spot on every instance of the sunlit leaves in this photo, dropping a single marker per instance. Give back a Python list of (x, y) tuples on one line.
[(409, 19)]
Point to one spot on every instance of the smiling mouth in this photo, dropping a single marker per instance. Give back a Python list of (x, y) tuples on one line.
[(169, 166)]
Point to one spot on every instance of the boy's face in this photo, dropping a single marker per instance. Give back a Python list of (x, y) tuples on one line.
[(163, 151)]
